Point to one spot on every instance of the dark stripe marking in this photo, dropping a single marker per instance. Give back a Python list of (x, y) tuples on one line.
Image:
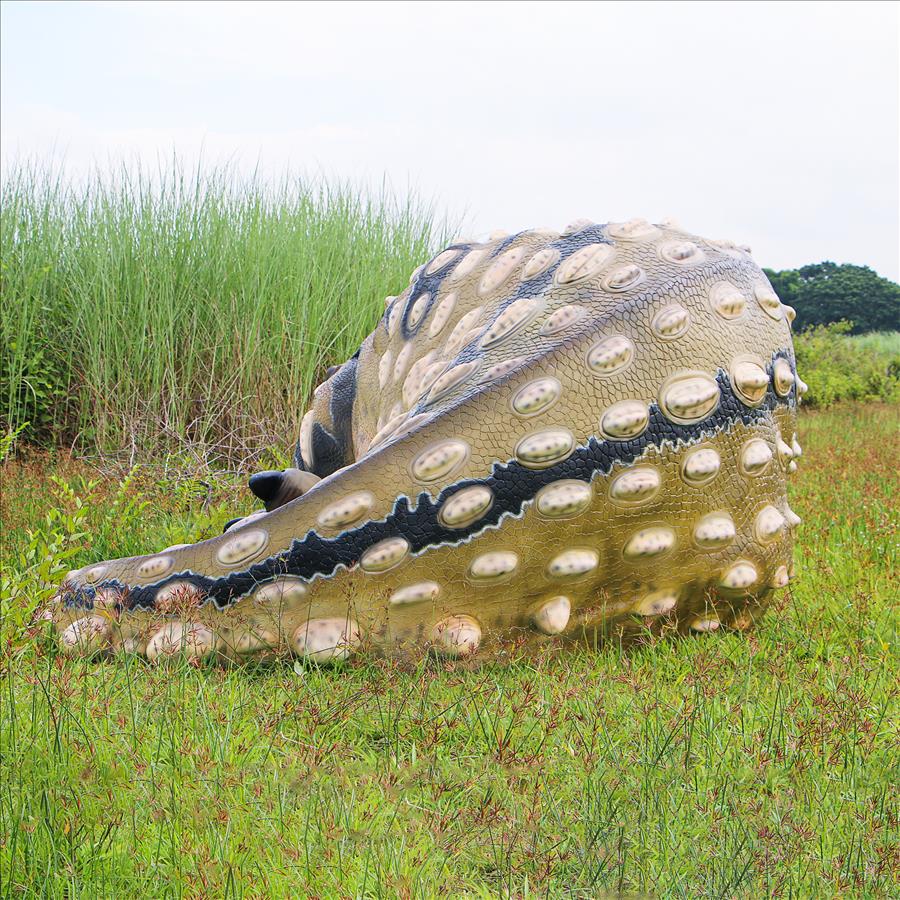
[(512, 484)]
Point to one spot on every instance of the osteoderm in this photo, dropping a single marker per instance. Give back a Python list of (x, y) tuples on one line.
[(547, 437)]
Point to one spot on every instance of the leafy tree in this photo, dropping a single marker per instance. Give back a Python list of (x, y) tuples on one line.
[(827, 292)]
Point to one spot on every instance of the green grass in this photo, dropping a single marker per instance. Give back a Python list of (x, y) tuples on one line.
[(886, 343), (722, 766), (142, 311)]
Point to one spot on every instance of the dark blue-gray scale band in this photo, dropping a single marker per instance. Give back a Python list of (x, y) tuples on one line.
[(512, 484)]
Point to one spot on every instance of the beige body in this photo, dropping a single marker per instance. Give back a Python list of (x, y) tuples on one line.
[(614, 334)]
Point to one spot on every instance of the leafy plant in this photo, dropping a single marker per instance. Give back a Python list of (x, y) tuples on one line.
[(8, 441), (30, 582)]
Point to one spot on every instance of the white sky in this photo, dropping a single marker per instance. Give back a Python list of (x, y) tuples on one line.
[(774, 124)]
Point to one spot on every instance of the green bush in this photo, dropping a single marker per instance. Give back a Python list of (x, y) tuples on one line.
[(837, 367)]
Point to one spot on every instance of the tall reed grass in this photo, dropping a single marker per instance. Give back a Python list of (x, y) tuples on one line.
[(140, 310)]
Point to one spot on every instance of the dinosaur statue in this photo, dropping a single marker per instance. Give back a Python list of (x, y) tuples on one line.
[(548, 437)]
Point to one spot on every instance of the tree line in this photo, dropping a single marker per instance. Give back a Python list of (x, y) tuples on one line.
[(827, 292)]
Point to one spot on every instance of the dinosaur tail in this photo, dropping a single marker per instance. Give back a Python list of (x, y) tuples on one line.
[(275, 581)]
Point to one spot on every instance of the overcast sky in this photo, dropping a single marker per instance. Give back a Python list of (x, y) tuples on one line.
[(774, 124)]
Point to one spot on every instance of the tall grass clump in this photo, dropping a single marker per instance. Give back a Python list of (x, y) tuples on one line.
[(146, 310), (841, 367)]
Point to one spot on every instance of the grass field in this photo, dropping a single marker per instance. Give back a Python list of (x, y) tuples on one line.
[(722, 766)]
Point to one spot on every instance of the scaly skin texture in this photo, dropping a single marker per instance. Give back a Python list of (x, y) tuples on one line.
[(547, 437)]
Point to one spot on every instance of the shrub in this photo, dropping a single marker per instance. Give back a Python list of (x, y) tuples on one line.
[(837, 367)]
